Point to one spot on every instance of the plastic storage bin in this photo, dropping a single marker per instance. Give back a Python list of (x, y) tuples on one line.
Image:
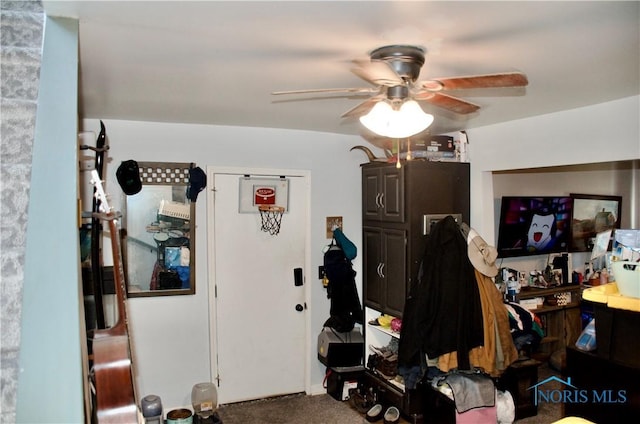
[(342, 380), (627, 275)]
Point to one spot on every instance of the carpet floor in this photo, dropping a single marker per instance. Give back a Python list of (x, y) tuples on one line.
[(323, 409), (290, 409), (547, 412)]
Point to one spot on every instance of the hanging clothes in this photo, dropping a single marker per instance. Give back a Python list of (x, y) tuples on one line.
[(443, 312), (498, 350), (350, 250), (346, 309)]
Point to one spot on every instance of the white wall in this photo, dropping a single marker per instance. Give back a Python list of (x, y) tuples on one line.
[(601, 133), (606, 132), (608, 178), (170, 334)]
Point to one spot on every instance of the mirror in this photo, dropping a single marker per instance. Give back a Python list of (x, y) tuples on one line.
[(158, 236)]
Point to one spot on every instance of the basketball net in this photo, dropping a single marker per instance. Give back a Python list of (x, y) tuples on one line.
[(270, 217)]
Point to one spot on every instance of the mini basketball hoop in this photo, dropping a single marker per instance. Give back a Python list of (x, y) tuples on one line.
[(271, 217)]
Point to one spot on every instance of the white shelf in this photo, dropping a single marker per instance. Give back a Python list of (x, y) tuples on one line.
[(385, 330)]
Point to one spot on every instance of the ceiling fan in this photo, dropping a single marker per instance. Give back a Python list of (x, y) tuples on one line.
[(394, 70)]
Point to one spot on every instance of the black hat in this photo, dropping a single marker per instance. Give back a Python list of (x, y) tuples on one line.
[(197, 182), (128, 175)]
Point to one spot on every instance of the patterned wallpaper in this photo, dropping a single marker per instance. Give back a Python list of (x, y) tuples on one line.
[(21, 27)]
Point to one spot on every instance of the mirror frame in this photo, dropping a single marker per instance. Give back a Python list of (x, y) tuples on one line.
[(169, 174)]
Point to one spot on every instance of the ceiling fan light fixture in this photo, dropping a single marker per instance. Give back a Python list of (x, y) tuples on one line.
[(404, 122)]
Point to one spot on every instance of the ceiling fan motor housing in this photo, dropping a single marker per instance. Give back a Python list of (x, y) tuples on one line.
[(397, 94), (405, 60)]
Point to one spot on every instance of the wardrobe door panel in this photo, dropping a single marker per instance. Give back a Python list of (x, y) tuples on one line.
[(373, 282), (371, 193), (392, 194), (395, 270)]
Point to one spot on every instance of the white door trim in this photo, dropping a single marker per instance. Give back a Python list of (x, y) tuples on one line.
[(211, 171)]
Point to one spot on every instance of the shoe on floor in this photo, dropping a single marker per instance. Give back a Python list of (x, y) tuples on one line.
[(375, 413), (391, 416)]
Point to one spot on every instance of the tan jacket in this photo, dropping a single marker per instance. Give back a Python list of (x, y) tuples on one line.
[(498, 351)]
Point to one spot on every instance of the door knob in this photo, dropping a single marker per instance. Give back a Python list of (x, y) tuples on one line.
[(299, 308)]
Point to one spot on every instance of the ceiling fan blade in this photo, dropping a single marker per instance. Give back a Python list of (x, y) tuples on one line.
[(377, 73), (445, 101), (366, 90), (362, 108), (502, 80)]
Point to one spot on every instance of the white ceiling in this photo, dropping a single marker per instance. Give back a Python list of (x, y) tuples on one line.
[(215, 62)]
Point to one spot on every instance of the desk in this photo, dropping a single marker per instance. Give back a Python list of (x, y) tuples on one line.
[(562, 324)]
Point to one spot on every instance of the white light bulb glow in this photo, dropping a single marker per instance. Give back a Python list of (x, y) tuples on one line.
[(408, 120)]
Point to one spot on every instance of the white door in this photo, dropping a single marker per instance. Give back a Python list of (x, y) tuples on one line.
[(259, 328)]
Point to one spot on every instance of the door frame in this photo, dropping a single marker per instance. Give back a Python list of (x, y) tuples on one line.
[(211, 272)]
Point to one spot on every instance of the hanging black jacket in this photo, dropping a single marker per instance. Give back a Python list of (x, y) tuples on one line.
[(443, 312), (346, 309)]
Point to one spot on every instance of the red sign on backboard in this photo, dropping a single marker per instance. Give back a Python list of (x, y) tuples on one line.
[(264, 195)]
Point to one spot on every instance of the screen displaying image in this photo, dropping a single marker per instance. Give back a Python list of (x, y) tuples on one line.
[(534, 225)]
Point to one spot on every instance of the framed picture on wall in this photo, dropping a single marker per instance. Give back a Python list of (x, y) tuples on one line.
[(592, 214)]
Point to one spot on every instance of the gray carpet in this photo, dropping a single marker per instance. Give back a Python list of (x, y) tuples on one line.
[(291, 409), (323, 409), (547, 412)]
